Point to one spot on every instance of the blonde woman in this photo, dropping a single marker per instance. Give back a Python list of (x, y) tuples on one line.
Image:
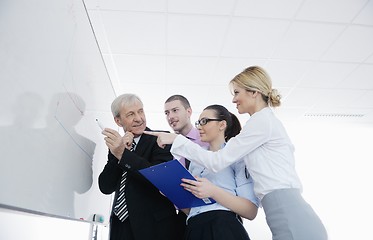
[(268, 153)]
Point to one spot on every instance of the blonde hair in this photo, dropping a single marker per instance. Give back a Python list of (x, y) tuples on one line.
[(256, 79)]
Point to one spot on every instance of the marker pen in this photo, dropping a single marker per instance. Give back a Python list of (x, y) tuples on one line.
[(100, 124)]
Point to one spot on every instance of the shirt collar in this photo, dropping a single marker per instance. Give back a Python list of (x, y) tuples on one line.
[(193, 134)]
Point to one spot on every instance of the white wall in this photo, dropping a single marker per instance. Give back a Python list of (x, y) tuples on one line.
[(334, 163), (53, 85)]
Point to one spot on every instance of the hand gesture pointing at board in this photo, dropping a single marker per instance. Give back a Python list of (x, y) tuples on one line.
[(163, 138)]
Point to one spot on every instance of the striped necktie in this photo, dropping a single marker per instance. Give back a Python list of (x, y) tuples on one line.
[(120, 208)]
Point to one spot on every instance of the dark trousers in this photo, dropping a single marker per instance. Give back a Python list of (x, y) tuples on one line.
[(216, 225), (181, 218)]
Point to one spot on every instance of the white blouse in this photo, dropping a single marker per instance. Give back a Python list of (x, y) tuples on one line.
[(263, 144)]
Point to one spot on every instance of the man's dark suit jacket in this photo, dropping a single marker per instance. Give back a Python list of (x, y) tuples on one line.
[(152, 216)]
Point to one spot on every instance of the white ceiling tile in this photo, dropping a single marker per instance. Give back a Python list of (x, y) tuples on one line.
[(195, 35), (197, 95), (285, 9), (199, 70), (287, 114), (326, 74), (337, 110), (159, 48), (227, 68), (307, 41), (209, 7), (128, 5), (139, 33), (365, 101), (152, 94), (286, 74), (341, 11), (141, 69), (253, 38), (365, 16), (338, 98), (361, 78), (354, 45), (304, 97)]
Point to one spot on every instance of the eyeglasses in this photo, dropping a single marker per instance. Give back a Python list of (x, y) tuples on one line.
[(204, 121)]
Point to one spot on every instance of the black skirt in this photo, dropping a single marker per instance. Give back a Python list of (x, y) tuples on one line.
[(215, 225)]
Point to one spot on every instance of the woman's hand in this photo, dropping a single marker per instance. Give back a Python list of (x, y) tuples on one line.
[(202, 188), (163, 138)]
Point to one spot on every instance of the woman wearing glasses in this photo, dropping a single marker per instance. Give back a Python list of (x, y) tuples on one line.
[(268, 154), (231, 188)]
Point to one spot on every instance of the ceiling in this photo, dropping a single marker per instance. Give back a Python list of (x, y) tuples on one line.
[(319, 53)]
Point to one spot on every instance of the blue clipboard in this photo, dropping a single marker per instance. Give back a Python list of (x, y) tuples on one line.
[(167, 178)]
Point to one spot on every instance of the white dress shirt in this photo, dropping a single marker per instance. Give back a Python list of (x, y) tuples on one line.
[(264, 146)]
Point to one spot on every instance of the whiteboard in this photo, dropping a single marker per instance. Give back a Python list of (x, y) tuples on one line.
[(53, 85)]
